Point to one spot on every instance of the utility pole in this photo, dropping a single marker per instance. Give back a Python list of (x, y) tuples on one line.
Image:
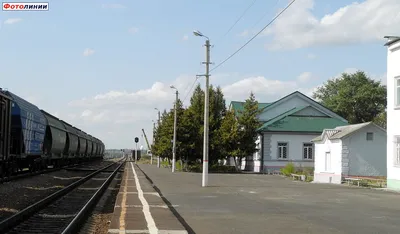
[(154, 140), (206, 115), (174, 143), (159, 121), (206, 109)]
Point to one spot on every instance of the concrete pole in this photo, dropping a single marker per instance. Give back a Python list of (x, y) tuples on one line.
[(206, 115), (174, 141), (154, 139), (159, 121)]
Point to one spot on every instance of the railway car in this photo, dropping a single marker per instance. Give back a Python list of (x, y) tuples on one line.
[(5, 129), (28, 127), (33, 138), (82, 143), (72, 144)]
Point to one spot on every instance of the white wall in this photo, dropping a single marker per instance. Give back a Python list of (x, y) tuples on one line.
[(295, 150), (366, 158), (393, 116), (334, 175)]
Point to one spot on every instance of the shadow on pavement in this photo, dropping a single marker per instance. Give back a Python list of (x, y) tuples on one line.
[(168, 203)]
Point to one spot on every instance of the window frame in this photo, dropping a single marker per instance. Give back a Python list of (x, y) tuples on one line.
[(396, 92), (371, 134), (308, 147), (278, 150)]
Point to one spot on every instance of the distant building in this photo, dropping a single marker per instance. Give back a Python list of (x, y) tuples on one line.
[(352, 150), (288, 126), (393, 113)]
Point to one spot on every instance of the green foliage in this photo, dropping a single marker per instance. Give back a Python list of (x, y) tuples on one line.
[(247, 129), (225, 131), (288, 169), (381, 119), (355, 96)]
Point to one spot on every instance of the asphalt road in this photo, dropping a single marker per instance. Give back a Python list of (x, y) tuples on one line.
[(248, 203)]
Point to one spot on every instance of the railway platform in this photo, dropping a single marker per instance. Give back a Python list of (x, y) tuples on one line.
[(139, 207)]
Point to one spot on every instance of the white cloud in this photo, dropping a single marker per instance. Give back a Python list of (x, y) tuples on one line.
[(311, 56), (133, 30), (305, 77), (113, 6), (117, 116), (12, 20), (367, 21), (185, 37), (263, 88), (88, 52), (245, 33)]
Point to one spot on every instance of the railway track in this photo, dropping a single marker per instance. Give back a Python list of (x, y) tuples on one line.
[(26, 174), (64, 210)]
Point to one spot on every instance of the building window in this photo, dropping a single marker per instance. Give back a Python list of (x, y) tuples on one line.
[(328, 161), (397, 91), (370, 136), (307, 151), (397, 151), (282, 150)]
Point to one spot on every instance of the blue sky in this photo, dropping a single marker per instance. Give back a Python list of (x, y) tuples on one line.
[(138, 48)]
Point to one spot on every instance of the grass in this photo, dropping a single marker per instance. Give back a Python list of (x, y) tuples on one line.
[(291, 169)]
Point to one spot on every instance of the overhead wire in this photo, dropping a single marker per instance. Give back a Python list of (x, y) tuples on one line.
[(266, 13), (241, 16), (251, 39), (190, 90)]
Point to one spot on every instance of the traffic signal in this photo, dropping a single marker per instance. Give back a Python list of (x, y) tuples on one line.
[(136, 139)]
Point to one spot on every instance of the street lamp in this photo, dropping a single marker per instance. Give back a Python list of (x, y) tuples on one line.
[(159, 120), (174, 141), (206, 109)]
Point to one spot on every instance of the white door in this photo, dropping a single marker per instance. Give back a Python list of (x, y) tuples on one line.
[(328, 161)]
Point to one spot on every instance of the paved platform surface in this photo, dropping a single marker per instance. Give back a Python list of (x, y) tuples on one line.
[(243, 203), (140, 209)]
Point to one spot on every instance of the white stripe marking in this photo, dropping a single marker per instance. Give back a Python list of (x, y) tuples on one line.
[(146, 231), (151, 225), (151, 206), (149, 193)]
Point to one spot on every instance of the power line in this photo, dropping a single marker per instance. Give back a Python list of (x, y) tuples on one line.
[(234, 24), (266, 13), (187, 94), (273, 20)]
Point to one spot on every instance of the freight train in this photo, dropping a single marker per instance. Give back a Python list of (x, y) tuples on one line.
[(32, 138)]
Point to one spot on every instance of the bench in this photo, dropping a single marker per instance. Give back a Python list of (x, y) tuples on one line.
[(348, 179)]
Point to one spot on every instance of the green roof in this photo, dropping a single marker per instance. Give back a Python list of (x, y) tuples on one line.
[(239, 106), (302, 124), (281, 116), (287, 122)]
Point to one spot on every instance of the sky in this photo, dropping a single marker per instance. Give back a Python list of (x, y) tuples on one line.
[(103, 66)]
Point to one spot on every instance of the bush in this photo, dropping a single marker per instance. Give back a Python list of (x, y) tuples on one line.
[(195, 168), (308, 171), (222, 169), (164, 164), (288, 169)]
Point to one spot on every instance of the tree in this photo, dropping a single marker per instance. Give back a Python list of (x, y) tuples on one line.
[(355, 96), (381, 119), (248, 124), (165, 135), (192, 122), (229, 133), (216, 114)]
